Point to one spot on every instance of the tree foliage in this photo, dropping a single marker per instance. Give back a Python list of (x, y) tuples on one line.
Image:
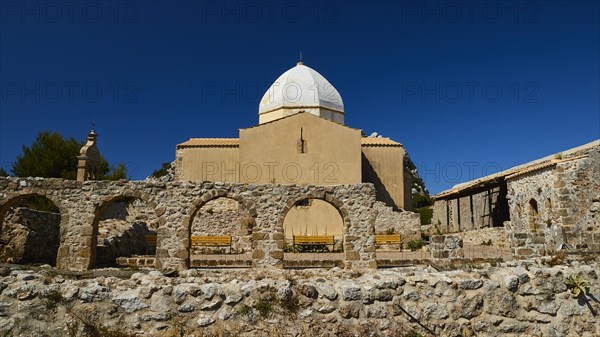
[(112, 172), (421, 200), (162, 171), (3, 173), (52, 156)]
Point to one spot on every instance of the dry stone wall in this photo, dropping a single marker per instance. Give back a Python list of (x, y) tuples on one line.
[(513, 299)]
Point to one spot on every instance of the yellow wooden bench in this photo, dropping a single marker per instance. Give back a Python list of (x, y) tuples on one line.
[(212, 241), (313, 240), (393, 239), (150, 242)]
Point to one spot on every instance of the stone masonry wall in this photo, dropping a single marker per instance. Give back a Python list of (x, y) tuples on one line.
[(513, 299), (81, 205), (497, 235), (567, 198), (578, 201), (446, 247), (439, 219), (407, 224), (29, 236), (224, 216)]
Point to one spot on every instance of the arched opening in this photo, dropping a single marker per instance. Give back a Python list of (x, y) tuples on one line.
[(314, 234), (313, 217), (533, 215), (124, 227), (221, 232), (30, 230), (548, 210)]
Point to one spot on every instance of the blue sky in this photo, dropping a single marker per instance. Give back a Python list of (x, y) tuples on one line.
[(468, 87)]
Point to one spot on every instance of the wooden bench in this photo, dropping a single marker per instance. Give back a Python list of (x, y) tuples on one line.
[(390, 239), (212, 241), (150, 242), (313, 240)]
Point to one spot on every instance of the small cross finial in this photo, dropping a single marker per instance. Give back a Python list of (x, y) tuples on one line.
[(300, 62), (93, 125)]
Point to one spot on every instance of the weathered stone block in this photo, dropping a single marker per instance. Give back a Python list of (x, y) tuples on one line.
[(278, 254), (260, 236), (352, 256), (524, 251), (258, 254)]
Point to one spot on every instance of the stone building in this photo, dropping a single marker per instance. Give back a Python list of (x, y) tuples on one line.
[(301, 139), (300, 171), (546, 205)]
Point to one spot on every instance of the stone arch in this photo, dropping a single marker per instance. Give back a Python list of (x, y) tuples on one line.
[(327, 198), (197, 206), (109, 201), (337, 204), (14, 200), (533, 214)]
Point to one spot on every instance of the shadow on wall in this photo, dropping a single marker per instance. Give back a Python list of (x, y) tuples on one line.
[(129, 241), (500, 212), (122, 231), (29, 235), (370, 176)]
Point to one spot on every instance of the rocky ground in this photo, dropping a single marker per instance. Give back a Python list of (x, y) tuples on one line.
[(526, 298)]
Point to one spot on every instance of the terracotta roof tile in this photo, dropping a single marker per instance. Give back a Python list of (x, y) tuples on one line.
[(210, 142), (370, 141)]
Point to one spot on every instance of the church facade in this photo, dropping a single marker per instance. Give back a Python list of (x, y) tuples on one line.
[(300, 139)]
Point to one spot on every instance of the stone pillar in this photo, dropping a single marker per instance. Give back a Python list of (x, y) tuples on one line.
[(359, 234), (75, 251)]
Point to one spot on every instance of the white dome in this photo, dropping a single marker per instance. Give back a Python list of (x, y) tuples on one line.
[(299, 88)]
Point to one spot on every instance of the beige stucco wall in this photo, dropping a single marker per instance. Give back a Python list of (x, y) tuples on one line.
[(383, 166), (208, 164), (271, 153), (320, 218)]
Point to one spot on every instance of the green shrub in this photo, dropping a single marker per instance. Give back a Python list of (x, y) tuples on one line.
[(245, 310), (415, 245), (577, 284), (264, 306), (426, 214)]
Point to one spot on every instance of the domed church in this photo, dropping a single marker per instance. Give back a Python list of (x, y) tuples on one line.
[(300, 139)]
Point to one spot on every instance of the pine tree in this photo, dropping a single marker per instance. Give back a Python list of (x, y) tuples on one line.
[(52, 156)]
